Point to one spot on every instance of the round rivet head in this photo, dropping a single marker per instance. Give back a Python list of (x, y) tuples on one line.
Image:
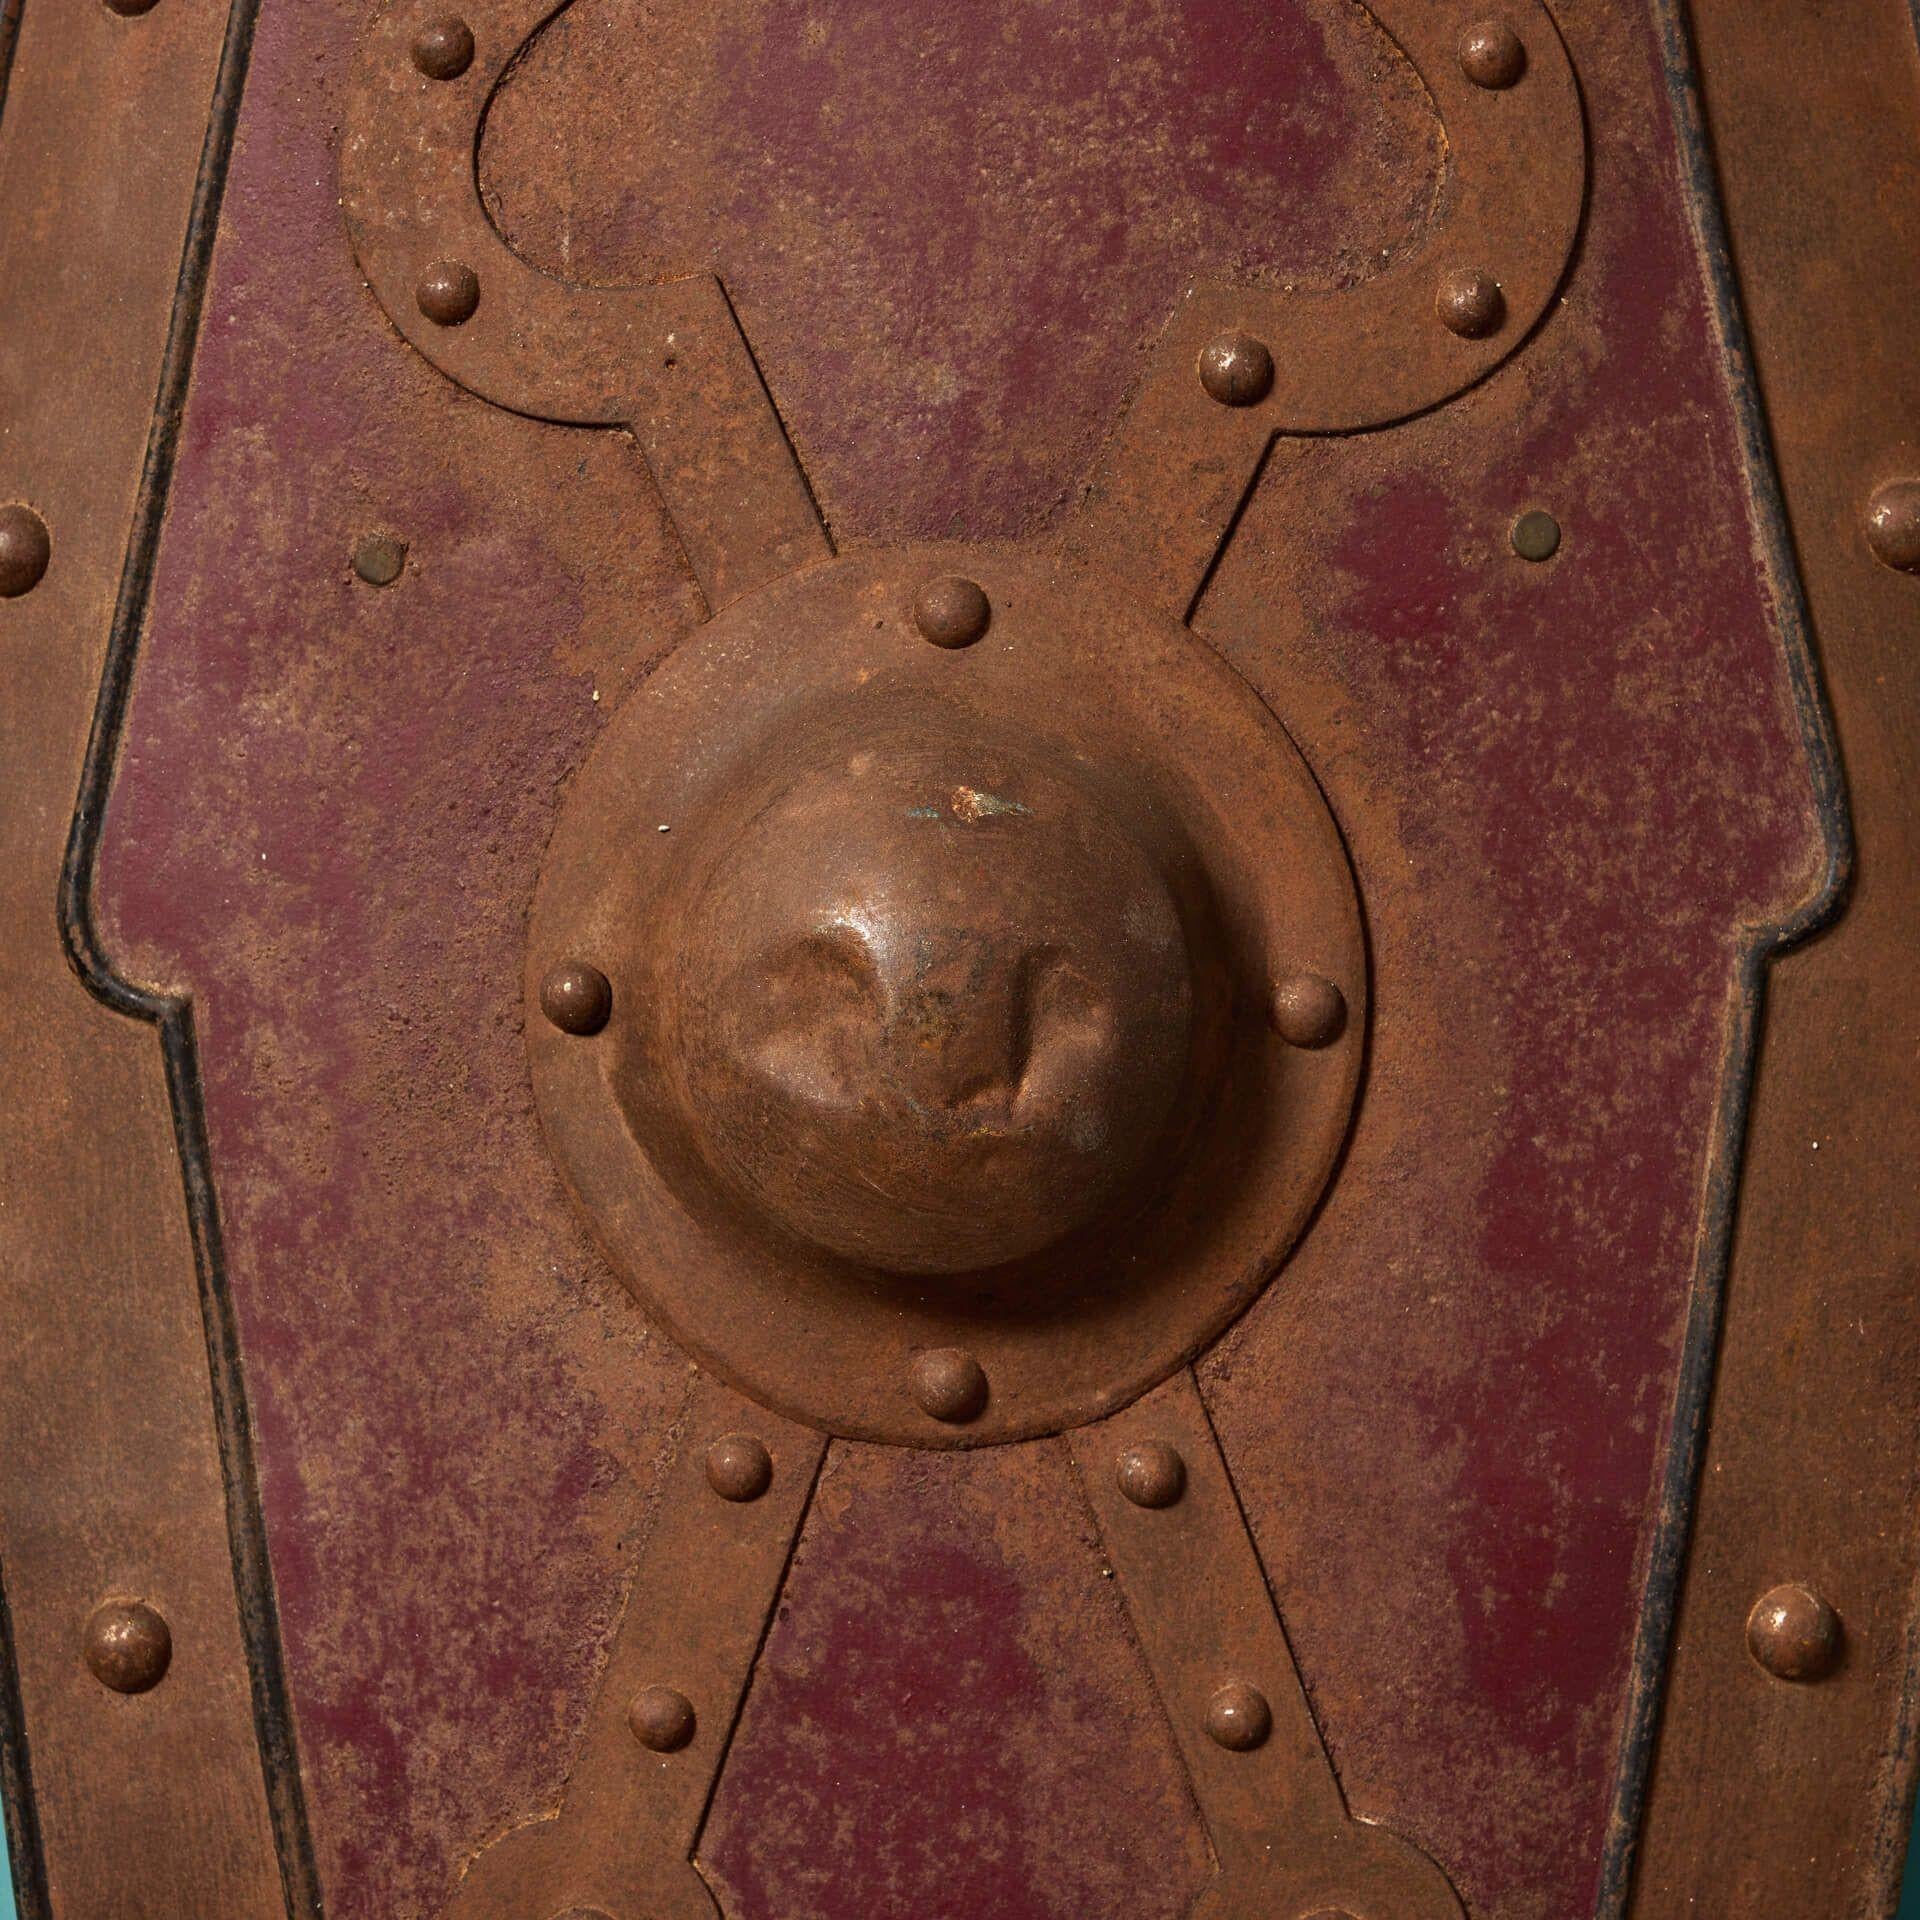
[(128, 9), (577, 998), (1238, 1717), (1308, 1010), (739, 1467), (25, 550), (1794, 1634), (443, 48), (951, 611), (378, 559), (661, 1719), (1536, 535), (949, 1384), (1236, 370), (1151, 1474), (127, 1646), (1469, 302), (1492, 54), (448, 293), (1893, 524)]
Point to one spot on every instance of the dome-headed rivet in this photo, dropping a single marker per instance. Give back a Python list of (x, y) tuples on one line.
[(378, 559), (949, 1384), (448, 293), (577, 998), (1236, 370), (1492, 54), (1793, 1633), (127, 1645), (25, 549), (1238, 1717), (661, 1719), (739, 1467), (443, 48), (1535, 535), (1308, 1010), (1469, 302), (1893, 524), (1151, 1474), (952, 611)]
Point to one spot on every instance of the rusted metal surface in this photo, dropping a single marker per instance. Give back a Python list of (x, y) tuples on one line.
[(1282, 1839), (1772, 1794), (1581, 795), (667, 363), (146, 1760), (939, 988), (621, 1842)]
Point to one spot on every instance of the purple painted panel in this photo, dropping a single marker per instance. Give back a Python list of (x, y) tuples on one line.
[(1566, 788)]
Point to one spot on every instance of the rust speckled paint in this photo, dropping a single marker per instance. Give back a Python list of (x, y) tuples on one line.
[(1568, 792)]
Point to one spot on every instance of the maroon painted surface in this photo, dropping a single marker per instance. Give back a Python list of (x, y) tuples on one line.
[(1565, 787)]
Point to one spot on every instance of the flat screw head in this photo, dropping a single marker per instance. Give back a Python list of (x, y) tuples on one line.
[(25, 550), (1238, 1717), (1236, 370), (661, 1719), (1308, 1010), (949, 1384), (448, 293), (1794, 1634), (378, 559), (443, 48), (1469, 302), (127, 1645), (1492, 55), (1151, 1474), (952, 612), (1536, 535), (1893, 524), (739, 1467), (577, 998)]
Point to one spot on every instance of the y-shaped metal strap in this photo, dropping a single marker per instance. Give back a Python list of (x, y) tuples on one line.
[(1287, 1847)]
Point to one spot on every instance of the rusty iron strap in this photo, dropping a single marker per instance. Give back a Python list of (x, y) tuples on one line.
[(1238, 365), (668, 362), (149, 1759), (1287, 1847), (620, 1845)]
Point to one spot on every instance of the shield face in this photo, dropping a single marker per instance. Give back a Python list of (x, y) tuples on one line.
[(971, 814)]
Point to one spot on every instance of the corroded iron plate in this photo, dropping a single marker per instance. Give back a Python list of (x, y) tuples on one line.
[(1084, 682)]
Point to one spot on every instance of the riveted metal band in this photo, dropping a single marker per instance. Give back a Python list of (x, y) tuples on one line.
[(667, 362), (1429, 327)]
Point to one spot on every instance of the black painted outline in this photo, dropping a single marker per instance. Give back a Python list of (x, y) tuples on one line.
[(173, 1017), (1686, 1438)]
